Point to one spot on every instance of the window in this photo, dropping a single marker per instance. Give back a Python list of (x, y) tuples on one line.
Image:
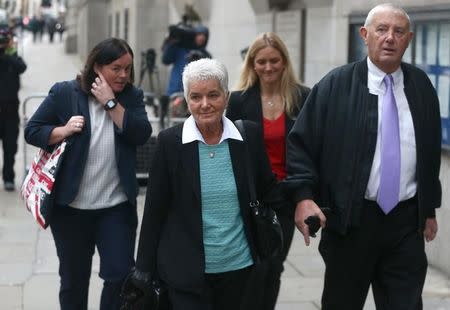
[(125, 24), (117, 34), (432, 54), (46, 3), (110, 25), (357, 48)]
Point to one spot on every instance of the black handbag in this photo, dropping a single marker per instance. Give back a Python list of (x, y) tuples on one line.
[(267, 232)]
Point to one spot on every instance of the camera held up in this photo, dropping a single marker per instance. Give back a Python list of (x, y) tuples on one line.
[(183, 34)]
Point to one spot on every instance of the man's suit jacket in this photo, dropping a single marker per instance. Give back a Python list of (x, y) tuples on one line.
[(332, 143), (66, 99), (171, 238)]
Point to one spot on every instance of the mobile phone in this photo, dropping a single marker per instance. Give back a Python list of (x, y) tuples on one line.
[(313, 222)]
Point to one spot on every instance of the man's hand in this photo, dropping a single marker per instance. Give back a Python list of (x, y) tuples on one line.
[(431, 228), (303, 210)]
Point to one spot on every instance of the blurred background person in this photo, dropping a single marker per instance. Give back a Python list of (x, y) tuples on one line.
[(11, 67), (60, 27), (196, 227), (50, 26), (184, 44), (41, 27), (270, 95), (102, 115), (35, 26)]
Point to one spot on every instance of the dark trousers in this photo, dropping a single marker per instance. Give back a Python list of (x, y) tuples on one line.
[(223, 291), (387, 252), (76, 234), (9, 131), (265, 280)]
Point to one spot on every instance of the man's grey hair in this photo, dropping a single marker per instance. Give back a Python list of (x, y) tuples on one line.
[(203, 70), (393, 7)]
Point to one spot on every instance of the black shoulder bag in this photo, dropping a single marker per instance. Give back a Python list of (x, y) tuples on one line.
[(267, 232)]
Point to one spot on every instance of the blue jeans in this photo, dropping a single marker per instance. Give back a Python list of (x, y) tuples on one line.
[(76, 234)]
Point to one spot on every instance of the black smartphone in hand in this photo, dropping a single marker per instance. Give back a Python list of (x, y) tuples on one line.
[(313, 222)]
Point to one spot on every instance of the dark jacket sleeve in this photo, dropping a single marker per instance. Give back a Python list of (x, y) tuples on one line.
[(155, 208), (304, 93), (433, 141), (45, 119), (18, 63), (303, 147), (136, 126)]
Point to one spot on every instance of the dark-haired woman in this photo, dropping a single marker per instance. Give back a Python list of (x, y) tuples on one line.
[(102, 116)]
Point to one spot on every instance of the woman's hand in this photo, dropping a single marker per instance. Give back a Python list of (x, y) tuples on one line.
[(103, 93), (135, 286), (74, 125), (101, 89)]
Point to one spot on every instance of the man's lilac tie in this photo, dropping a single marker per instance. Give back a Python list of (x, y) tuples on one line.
[(390, 151)]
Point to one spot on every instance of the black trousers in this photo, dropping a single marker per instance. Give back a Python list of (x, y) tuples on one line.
[(223, 291), (77, 233), (9, 131), (264, 284), (387, 252)]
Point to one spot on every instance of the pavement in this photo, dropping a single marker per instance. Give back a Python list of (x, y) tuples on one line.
[(28, 263)]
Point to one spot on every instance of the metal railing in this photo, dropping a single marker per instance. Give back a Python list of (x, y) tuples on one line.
[(25, 103)]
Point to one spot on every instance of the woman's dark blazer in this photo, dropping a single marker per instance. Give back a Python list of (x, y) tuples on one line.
[(66, 99), (247, 105), (171, 237)]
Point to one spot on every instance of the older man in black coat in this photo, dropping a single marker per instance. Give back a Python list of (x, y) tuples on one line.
[(367, 147)]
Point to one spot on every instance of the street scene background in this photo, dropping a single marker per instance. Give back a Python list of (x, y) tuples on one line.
[(28, 263)]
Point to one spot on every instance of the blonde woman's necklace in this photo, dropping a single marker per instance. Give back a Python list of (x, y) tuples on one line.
[(271, 102)]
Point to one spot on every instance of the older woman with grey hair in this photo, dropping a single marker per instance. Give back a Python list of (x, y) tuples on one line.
[(195, 236)]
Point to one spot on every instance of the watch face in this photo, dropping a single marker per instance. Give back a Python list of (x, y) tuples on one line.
[(110, 104)]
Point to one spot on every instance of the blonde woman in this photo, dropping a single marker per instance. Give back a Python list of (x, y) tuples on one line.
[(269, 94)]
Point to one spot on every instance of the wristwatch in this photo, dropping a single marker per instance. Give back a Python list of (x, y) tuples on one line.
[(110, 104)]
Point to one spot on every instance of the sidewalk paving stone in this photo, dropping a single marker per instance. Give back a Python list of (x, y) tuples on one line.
[(41, 292)]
